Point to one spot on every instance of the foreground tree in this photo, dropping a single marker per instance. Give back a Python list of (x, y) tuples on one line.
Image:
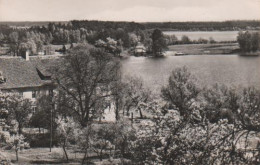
[(135, 94), (66, 133), (84, 81), (118, 96), (181, 90), (220, 102), (249, 110), (18, 110), (42, 117)]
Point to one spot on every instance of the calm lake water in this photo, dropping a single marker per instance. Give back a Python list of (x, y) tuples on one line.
[(195, 35), (240, 71)]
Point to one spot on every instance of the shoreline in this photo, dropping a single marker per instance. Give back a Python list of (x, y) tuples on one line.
[(206, 49), (225, 49)]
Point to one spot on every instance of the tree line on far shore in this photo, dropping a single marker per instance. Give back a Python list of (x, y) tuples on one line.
[(114, 37), (205, 26), (35, 38)]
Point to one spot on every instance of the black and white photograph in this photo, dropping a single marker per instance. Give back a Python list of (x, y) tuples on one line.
[(130, 82)]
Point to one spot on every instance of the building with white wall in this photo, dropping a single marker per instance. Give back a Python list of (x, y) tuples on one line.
[(27, 76), (30, 77)]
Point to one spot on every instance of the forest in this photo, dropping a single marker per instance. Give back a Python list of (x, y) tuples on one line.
[(113, 36)]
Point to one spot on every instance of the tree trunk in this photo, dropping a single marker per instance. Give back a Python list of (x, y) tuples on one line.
[(19, 129), (123, 148), (84, 158), (101, 155), (64, 149), (16, 150), (117, 110), (141, 114)]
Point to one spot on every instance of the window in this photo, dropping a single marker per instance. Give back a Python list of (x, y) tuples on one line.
[(33, 94)]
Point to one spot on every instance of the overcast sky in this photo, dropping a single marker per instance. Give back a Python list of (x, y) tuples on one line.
[(129, 10)]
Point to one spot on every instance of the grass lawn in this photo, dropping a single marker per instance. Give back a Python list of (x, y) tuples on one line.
[(44, 156)]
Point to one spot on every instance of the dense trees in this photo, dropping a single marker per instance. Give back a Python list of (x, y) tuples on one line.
[(84, 79), (44, 113), (100, 25), (249, 41), (181, 90), (126, 34), (185, 134), (214, 125), (220, 103), (186, 125), (158, 44), (14, 42), (204, 26), (18, 110), (185, 39), (173, 40), (190, 136), (134, 95), (72, 32), (37, 38)]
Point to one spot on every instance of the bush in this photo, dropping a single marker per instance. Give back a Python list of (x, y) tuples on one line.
[(4, 159), (41, 140)]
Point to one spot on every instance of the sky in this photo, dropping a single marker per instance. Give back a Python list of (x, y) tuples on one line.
[(129, 10)]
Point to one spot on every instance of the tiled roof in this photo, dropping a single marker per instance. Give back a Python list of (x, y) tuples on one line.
[(43, 64), (20, 73)]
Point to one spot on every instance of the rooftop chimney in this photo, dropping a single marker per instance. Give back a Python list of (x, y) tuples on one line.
[(25, 55), (27, 58)]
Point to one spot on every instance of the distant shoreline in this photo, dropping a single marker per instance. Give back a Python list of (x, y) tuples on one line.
[(224, 49), (174, 30), (206, 49)]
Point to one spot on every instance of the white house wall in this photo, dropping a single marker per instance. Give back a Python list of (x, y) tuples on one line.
[(109, 114), (27, 94)]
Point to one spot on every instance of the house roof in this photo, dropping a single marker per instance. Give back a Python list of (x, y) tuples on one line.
[(140, 46), (43, 64), (20, 73)]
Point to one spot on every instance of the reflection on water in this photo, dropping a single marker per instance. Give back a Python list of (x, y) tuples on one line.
[(208, 69)]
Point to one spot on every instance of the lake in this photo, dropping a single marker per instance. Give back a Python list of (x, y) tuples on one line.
[(216, 35), (230, 70)]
